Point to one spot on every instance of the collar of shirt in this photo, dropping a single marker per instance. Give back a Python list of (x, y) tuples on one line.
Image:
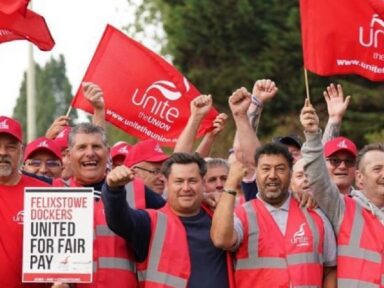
[(271, 209)]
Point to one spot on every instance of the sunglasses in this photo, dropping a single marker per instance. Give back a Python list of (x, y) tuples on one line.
[(348, 162)]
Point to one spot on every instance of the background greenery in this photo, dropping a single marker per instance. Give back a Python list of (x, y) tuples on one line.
[(226, 44)]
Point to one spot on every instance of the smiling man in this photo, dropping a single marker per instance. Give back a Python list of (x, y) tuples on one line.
[(340, 154), (277, 243), (179, 231)]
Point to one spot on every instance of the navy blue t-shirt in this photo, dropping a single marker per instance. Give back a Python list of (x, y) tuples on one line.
[(250, 190), (208, 263)]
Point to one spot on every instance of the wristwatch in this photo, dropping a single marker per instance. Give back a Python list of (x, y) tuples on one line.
[(230, 191)]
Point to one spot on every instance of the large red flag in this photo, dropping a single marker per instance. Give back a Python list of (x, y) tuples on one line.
[(19, 23), (343, 37), (144, 94), (11, 6)]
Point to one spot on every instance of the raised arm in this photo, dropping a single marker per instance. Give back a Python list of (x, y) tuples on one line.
[(95, 95), (336, 107), (223, 231), (199, 106), (206, 143), (247, 141), (132, 225), (263, 91), (324, 190), (57, 126)]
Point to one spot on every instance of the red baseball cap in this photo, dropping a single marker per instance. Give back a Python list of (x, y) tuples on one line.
[(42, 144), (339, 144), (61, 139), (11, 127), (120, 149), (148, 150)]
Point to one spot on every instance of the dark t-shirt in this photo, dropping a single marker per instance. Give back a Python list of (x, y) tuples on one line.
[(208, 263), (250, 190)]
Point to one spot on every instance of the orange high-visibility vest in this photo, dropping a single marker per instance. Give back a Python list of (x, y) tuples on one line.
[(168, 263), (267, 258), (360, 246), (113, 262)]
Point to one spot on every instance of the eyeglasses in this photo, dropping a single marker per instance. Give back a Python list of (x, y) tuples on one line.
[(38, 163), (348, 162), (155, 171)]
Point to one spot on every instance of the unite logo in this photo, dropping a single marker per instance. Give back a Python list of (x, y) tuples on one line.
[(151, 101), (372, 37), (43, 144), (299, 238), (342, 144), (4, 124), (19, 217), (123, 150)]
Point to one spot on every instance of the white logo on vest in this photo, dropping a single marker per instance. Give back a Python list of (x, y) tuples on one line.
[(299, 238)]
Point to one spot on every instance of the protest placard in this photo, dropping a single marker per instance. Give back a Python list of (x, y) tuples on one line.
[(58, 235)]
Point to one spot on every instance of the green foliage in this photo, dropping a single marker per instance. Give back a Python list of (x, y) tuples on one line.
[(53, 96), (223, 45)]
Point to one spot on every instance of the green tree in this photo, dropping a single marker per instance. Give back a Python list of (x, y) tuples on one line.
[(221, 45), (53, 95)]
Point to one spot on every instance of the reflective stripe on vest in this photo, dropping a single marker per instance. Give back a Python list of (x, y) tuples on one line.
[(151, 274), (111, 262), (352, 283), (130, 195), (355, 251), (254, 261)]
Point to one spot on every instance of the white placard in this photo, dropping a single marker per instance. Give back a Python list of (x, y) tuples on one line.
[(58, 235)]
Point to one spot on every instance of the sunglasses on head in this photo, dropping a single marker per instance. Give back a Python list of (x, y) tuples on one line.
[(348, 162)]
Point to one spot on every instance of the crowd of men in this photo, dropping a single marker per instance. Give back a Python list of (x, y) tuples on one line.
[(282, 214)]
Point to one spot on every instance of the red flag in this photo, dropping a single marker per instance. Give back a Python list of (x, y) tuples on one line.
[(144, 94), (11, 6), (25, 25), (343, 37)]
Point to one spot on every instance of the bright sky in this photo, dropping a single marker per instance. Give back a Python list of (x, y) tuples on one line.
[(76, 26)]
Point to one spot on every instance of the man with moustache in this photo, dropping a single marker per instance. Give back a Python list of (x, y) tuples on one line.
[(277, 242), (12, 184)]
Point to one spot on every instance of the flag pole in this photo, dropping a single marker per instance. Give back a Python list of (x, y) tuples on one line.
[(306, 85), (69, 110)]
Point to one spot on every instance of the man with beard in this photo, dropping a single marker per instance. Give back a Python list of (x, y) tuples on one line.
[(12, 184), (277, 243)]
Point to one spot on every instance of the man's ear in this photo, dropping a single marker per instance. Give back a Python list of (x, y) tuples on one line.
[(359, 179)]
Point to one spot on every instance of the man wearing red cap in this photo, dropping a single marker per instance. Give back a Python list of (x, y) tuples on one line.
[(340, 154), (357, 218), (119, 152), (12, 184), (146, 158), (43, 158)]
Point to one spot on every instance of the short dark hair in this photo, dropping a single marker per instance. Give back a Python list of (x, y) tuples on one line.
[(184, 158), (216, 162), (274, 149), (367, 148), (86, 128)]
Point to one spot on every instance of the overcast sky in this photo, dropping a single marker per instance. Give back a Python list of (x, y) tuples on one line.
[(76, 26)]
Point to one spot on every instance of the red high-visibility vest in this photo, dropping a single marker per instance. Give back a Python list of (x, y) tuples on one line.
[(168, 263), (113, 261), (360, 246), (267, 258)]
